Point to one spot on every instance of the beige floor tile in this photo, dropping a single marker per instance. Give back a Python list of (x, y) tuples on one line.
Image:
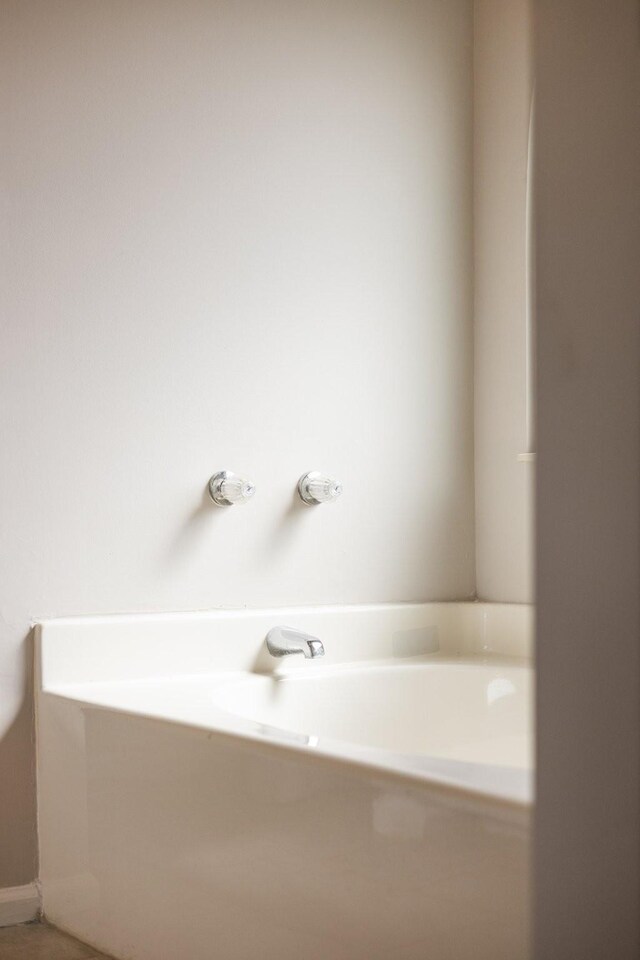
[(39, 941)]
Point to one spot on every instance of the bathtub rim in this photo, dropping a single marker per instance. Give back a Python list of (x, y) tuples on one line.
[(467, 632), (511, 786)]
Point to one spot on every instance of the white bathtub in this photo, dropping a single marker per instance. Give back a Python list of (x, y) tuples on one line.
[(200, 800)]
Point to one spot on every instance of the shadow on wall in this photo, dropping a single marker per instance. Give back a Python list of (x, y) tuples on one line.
[(197, 527), (18, 840), (196, 524)]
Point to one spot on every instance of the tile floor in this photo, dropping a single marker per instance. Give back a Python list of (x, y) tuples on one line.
[(39, 941)]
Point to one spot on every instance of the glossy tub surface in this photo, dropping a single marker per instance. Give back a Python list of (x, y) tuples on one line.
[(198, 799)]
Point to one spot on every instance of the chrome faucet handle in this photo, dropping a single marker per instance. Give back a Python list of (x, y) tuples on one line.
[(283, 641), (315, 487), (227, 489)]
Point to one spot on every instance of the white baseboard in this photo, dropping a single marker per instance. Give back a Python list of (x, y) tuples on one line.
[(19, 904)]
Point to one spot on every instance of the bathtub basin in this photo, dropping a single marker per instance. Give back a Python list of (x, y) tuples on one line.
[(460, 710), (194, 791)]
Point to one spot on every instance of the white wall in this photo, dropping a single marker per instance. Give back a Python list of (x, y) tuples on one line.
[(588, 508), (504, 487), (238, 237)]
